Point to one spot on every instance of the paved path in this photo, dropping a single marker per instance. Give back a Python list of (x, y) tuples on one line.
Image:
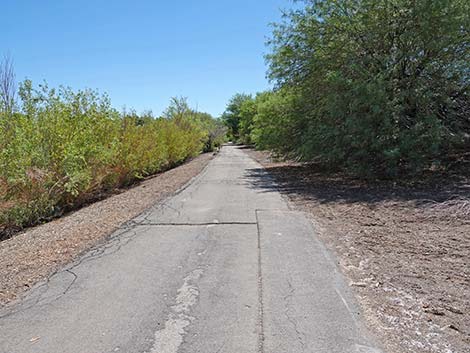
[(222, 267)]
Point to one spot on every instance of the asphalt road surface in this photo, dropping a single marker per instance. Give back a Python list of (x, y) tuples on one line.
[(224, 266)]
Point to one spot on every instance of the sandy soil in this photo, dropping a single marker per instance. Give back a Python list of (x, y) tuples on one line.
[(405, 250), (36, 253)]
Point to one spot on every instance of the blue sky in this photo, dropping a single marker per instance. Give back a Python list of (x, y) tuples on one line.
[(143, 52)]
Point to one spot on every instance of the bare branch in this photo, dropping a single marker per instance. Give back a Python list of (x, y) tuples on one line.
[(7, 85)]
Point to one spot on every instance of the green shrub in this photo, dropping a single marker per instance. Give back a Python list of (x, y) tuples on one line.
[(238, 117), (381, 88), (65, 148)]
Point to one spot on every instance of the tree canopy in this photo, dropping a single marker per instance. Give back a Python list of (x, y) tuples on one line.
[(379, 87)]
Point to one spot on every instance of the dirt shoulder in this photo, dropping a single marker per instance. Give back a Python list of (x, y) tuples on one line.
[(40, 251), (406, 251)]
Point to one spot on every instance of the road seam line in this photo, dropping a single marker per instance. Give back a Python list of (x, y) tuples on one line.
[(196, 224), (260, 292)]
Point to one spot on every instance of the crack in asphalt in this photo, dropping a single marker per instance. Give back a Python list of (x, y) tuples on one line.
[(75, 277), (260, 292), (165, 200), (287, 300), (221, 347), (116, 241)]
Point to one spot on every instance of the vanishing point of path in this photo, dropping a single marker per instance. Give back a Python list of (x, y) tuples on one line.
[(222, 267)]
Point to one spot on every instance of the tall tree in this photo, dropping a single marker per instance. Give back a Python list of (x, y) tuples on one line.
[(232, 115), (384, 84)]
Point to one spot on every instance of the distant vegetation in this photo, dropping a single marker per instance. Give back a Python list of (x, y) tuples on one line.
[(62, 148), (380, 88)]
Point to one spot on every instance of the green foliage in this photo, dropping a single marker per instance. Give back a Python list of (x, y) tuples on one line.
[(214, 129), (247, 113), (65, 148), (378, 87), (237, 117), (275, 123)]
